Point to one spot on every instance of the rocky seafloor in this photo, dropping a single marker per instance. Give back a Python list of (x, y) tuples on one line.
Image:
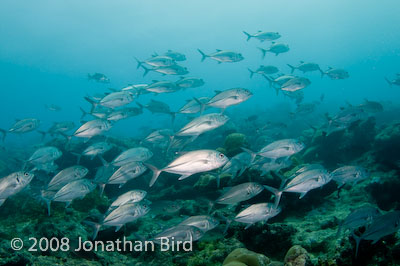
[(304, 233)]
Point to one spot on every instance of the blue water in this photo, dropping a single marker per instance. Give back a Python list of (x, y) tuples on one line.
[(48, 47)]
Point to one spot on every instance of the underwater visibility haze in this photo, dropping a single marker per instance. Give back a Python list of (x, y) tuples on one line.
[(253, 132)]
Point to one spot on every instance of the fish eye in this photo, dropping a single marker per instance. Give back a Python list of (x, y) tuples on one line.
[(221, 155), (26, 174)]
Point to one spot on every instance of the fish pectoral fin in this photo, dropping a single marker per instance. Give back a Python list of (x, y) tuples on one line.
[(118, 227), (302, 195), (184, 176), (2, 201), (247, 226), (67, 204)]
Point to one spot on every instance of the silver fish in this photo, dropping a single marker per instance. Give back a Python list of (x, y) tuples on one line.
[(180, 233), (263, 36), (121, 215), (240, 193), (280, 148), (138, 154), (295, 84), (117, 99), (275, 48), (124, 113), (73, 190), (66, 176), (45, 155), (101, 78), (349, 174), (224, 99), (163, 86), (96, 149), (358, 218), (203, 222), (157, 61), (158, 137), (264, 70), (203, 124), (193, 106), (381, 226), (303, 183), (127, 172), (336, 73), (132, 196), (167, 70), (13, 183), (175, 55), (92, 128), (189, 82), (257, 213), (222, 56), (305, 67), (191, 163)]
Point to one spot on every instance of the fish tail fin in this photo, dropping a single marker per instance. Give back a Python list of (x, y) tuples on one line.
[(389, 82), (4, 132), (139, 63), (204, 56), (48, 203), (270, 81), (156, 173), (202, 105), (249, 36), (95, 226), (252, 153), (263, 51), (78, 157), (146, 70), (292, 68), (276, 192), (251, 72), (173, 116), (92, 102), (103, 161), (140, 105), (358, 240), (84, 113), (277, 90), (171, 139), (101, 188), (227, 222)]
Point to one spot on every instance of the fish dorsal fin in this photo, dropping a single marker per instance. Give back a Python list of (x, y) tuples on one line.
[(17, 119), (181, 77), (218, 50), (154, 81), (329, 68), (273, 42), (217, 91), (187, 100), (301, 62), (169, 50)]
